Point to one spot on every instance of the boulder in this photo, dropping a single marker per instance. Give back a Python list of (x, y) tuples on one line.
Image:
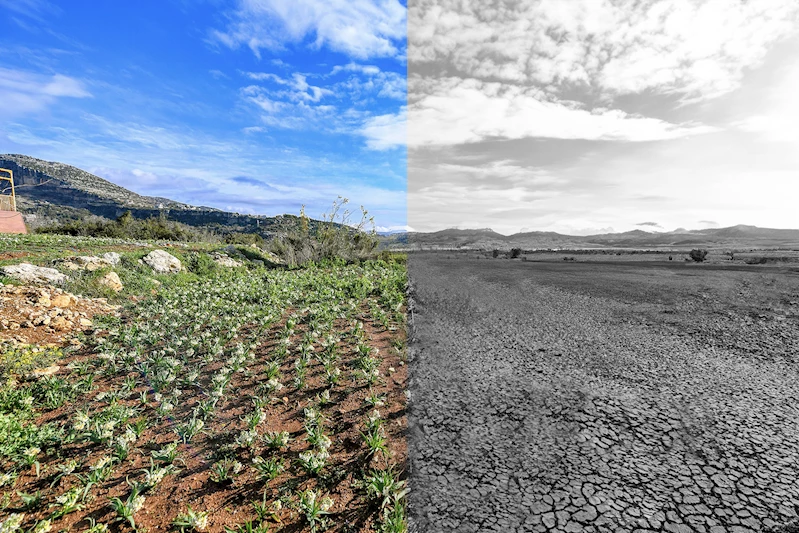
[(112, 281), (60, 323), (63, 301), (162, 262), (90, 262), (112, 258), (225, 260), (28, 273)]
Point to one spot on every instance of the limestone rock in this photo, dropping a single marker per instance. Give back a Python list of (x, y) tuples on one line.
[(28, 273), (112, 258), (63, 301), (225, 260), (44, 372), (112, 281), (162, 262), (60, 323), (91, 263)]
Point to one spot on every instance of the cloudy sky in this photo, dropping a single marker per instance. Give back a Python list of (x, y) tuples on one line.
[(586, 116), (255, 106)]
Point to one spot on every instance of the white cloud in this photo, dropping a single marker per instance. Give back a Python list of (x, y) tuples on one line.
[(776, 115), (694, 49), (358, 28), (25, 92), (385, 132), (456, 111)]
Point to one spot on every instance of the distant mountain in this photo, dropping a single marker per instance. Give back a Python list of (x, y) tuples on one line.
[(735, 237), (57, 192)]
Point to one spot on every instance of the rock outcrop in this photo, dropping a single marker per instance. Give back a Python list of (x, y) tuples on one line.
[(28, 273), (162, 262)]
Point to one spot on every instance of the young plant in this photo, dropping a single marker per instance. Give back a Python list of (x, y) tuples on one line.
[(267, 511), (268, 469), (29, 458), (154, 475), (95, 527), (225, 471), (383, 486), (248, 527), (376, 400), (276, 439), (67, 503), (63, 470), (247, 438), (394, 519), (314, 508), (126, 509), (30, 501), (189, 430), (253, 419), (191, 520), (375, 436), (313, 462), (167, 454)]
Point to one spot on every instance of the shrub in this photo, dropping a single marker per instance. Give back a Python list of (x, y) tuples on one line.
[(244, 238), (335, 239), (128, 227), (200, 263), (515, 252), (698, 255)]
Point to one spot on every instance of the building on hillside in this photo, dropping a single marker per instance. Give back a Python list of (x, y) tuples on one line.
[(10, 219)]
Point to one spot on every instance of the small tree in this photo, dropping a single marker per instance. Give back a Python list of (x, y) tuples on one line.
[(515, 252), (698, 255)]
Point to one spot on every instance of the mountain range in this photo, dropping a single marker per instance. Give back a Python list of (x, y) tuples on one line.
[(737, 237), (49, 192)]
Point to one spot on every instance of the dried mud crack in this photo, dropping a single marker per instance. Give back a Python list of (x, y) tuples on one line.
[(563, 398)]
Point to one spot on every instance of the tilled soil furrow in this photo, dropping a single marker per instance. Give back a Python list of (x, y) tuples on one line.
[(537, 408)]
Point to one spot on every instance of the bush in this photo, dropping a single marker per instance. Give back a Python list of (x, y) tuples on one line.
[(200, 263), (335, 239), (515, 252), (244, 238), (128, 227), (698, 255)]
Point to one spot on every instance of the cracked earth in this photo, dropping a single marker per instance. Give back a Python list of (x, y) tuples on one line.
[(602, 398)]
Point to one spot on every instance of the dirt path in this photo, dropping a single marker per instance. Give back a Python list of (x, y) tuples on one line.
[(575, 397)]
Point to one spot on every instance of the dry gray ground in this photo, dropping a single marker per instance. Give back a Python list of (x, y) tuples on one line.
[(602, 397)]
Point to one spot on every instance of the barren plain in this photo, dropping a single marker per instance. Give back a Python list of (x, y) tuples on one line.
[(595, 396)]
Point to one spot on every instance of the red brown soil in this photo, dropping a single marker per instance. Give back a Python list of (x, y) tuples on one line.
[(229, 505)]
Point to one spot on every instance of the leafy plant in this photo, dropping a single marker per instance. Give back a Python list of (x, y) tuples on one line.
[(225, 470), (127, 508), (268, 468), (189, 430), (383, 486), (276, 439), (314, 508), (191, 520)]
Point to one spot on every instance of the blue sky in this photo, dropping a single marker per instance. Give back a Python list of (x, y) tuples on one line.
[(589, 116), (254, 106)]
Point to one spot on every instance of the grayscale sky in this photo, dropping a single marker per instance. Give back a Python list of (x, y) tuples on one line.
[(587, 116)]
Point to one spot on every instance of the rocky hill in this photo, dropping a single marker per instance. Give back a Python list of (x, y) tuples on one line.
[(56, 192)]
